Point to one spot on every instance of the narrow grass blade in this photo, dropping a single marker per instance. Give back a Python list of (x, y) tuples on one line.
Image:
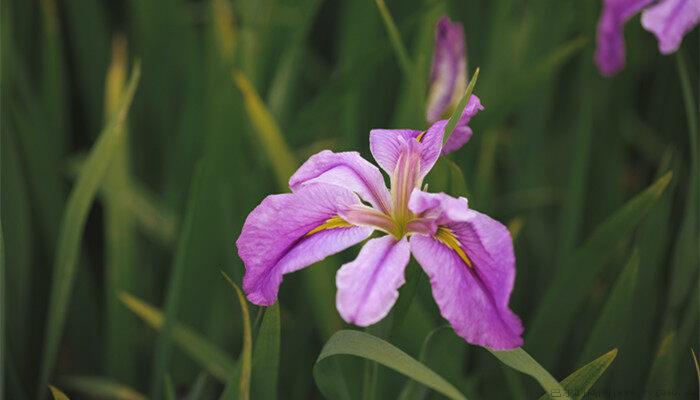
[(74, 219), (519, 360), (103, 388), (208, 355), (581, 381), (364, 345), (395, 38), (662, 377), (266, 355), (413, 389), (3, 297), (570, 287), (613, 321), (276, 149), (169, 388), (57, 393), (120, 240), (454, 118), (697, 366), (243, 382), (197, 390)]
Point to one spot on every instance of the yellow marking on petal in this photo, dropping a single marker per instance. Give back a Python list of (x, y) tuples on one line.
[(420, 137), (331, 223), (446, 237)]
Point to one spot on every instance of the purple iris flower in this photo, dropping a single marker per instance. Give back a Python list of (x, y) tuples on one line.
[(448, 82), (669, 20), (340, 199)]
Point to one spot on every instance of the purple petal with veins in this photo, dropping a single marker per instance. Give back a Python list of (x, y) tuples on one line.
[(472, 297), (274, 238), (368, 287), (347, 169)]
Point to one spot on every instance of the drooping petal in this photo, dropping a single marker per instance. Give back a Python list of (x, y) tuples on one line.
[(286, 233), (610, 48), (460, 136), (448, 74), (471, 265), (368, 287), (348, 170), (670, 21), (440, 207)]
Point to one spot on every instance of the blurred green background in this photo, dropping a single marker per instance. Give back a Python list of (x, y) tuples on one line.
[(233, 95)]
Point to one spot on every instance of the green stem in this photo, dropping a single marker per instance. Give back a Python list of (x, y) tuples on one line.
[(395, 38), (691, 112)]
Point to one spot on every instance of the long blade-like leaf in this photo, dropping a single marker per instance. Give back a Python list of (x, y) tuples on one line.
[(570, 287), (266, 355), (242, 381), (208, 355), (581, 381), (74, 219), (611, 326), (364, 345), (276, 148), (103, 388), (57, 393), (519, 360)]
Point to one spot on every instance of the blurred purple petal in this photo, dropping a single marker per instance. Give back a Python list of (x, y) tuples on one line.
[(368, 287), (348, 170), (273, 241), (473, 298), (670, 20), (610, 48), (448, 79)]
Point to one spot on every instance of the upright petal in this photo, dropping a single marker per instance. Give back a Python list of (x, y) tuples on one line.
[(448, 75), (287, 232), (471, 265), (348, 170), (368, 287), (670, 20), (610, 48), (386, 146)]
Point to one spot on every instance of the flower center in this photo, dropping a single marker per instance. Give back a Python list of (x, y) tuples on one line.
[(404, 179)]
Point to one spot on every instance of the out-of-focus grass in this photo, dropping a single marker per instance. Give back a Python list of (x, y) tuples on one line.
[(558, 148)]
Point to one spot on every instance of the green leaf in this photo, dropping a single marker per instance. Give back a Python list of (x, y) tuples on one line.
[(169, 388), (581, 381), (662, 376), (612, 324), (74, 219), (57, 393), (266, 355), (364, 345), (175, 286), (573, 283), (197, 390), (519, 360), (242, 382), (276, 149), (697, 366), (413, 389), (208, 355), (457, 113), (395, 38), (103, 388), (3, 297)]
